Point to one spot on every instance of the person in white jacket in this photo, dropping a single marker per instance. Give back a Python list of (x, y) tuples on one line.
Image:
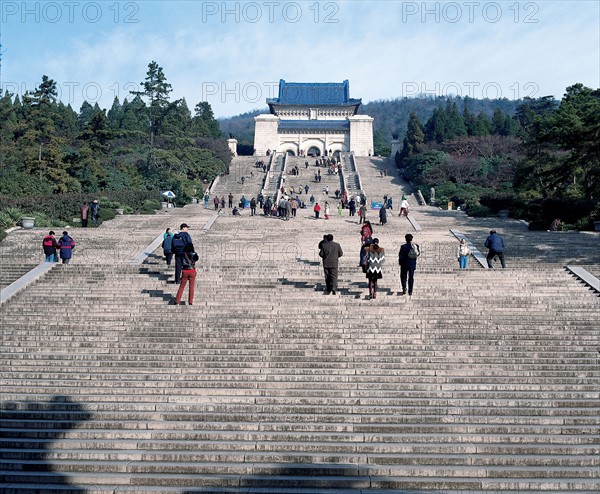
[(462, 253)]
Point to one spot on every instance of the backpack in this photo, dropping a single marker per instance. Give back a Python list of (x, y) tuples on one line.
[(414, 251), (189, 260), (178, 244)]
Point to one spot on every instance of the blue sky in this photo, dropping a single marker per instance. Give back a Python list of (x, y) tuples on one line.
[(232, 54)]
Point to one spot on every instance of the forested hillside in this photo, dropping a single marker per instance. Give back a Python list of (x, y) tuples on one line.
[(540, 164), (142, 145)]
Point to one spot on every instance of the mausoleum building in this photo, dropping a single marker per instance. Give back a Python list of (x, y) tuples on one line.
[(311, 118)]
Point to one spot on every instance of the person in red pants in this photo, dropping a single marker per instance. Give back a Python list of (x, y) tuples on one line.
[(188, 274)]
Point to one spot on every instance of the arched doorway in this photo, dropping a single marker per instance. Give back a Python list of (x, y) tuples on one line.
[(313, 151), (290, 152)]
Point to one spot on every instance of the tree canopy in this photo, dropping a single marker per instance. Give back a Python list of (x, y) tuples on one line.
[(148, 142)]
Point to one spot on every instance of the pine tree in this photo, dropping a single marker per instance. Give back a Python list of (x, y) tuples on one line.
[(156, 89), (414, 139), (204, 122)]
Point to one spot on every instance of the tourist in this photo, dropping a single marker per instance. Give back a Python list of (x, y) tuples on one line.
[(317, 210), (382, 216), (294, 203), (375, 258), (352, 207), (306, 187), (252, 206), (366, 231), (495, 246), (188, 274), (555, 225), (66, 245), (404, 207), (216, 202), (312, 199), (167, 245), (223, 202), (230, 200), (330, 252), (50, 246), (362, 256), (407, 258), (84, 210), (339, 208), (95, 212), (288, 209), (181, 241), (362, 213), (326, 210), (463, 252), (206, 199)]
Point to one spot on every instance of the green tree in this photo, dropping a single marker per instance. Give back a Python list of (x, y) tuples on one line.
[(157, 90), (414, 140), (204, 123)]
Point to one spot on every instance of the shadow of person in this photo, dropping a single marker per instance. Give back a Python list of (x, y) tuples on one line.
[(28, 429)]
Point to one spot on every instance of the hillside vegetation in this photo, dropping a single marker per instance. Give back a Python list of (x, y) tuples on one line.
[(52, 157)]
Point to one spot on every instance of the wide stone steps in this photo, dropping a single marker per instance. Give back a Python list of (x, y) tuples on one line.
[(483, 380)]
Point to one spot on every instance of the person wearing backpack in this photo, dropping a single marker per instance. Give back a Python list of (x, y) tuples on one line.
[(167, 245), (181, 243), (50, 246), (188, 274), (407, 258)]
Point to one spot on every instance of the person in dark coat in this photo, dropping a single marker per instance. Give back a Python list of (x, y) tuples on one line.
[(408, 265), (382, 216), (495, 246), (330, 252), (167, 245), (66, 244), (50, 246), (181, 242), (95, 212)]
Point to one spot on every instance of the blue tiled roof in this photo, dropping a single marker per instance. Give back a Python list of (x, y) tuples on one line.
[(314, 93), (314, 124)]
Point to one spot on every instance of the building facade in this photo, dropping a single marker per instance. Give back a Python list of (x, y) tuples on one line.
[(311, 119)]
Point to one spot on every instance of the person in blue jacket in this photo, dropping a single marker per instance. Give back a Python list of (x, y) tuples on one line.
[(495, 246), (181, 241), (66, 244), (167, 245)]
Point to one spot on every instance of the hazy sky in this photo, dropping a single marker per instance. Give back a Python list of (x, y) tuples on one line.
[(232, 54)]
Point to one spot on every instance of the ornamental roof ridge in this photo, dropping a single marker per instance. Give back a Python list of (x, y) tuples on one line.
[(314, 93)]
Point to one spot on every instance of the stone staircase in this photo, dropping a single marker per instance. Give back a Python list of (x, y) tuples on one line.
[(483, 381), (307, 177), (243, 179)]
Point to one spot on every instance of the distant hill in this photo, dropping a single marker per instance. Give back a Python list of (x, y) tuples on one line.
[(390, 116)]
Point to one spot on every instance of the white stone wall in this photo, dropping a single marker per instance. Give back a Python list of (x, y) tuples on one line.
[(265, 134), (359, 139), (361, 135), (336, 141)]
